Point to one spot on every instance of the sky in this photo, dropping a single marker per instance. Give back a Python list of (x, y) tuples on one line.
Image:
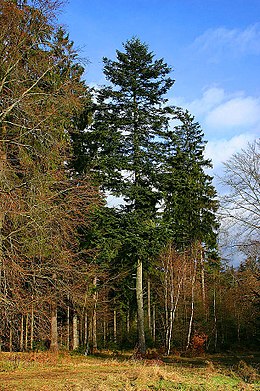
[(213, 47)]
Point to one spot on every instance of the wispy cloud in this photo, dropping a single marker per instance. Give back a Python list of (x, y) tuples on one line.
[(226, 113), (235, 113), (222, 41), (221, 150), (229, 120)]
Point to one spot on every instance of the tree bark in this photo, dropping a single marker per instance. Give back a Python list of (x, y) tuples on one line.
[(154, 323), (115, 328), (68, 327), (128, 320), (203, 283), (2, 170), (104, 332), (32, 327), (54, 347), (90, 331), (75, 331), (86, 328), (26, 332), (149, 305), (140, 307), (94, 321), (21, 333), (192, 304), (215, 318), (10, 339)]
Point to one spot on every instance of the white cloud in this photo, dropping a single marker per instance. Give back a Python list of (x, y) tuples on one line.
[(223, 114), (229, 41), (237, 112), (221, 150), (210, 98), (229, 121)]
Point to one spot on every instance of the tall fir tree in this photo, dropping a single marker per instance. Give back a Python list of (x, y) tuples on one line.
[(124, 144), (190, 202)]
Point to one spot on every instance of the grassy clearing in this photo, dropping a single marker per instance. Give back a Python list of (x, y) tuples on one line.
[(50, 372)]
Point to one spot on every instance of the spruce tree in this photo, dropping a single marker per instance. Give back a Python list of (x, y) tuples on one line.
[(189, 197), (157, 173), (41, 206), (124, 144)]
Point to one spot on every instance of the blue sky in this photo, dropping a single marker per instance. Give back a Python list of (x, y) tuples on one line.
[(212, 45)]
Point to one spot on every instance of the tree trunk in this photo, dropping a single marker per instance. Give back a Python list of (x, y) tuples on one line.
[(1, 249), (170, 323), (10, 339), (166, 300), (94, 322), (203, 283), (54, 347), (90, 333), (86, 328), (2, 169), (154, 324), (26, 332), (75, 331), (128, 320), (215, 318), (174, 304), (104, 332), (167, 293), (68, 327), (32, 327), (140, 307), (192, 304), (21, 334), (149, 305), (115, 328)]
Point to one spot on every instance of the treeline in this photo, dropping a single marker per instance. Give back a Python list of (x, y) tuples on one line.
[(76, 273)]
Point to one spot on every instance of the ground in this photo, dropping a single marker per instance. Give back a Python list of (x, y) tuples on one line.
[(44, 371)]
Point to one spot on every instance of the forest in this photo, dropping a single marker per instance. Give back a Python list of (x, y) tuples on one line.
[(110, 225)]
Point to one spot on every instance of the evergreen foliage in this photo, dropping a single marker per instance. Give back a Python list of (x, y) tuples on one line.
[(67, 257), (189, 197), (157, 172)]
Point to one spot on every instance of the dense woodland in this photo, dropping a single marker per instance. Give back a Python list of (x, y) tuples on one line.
[(77, 273)]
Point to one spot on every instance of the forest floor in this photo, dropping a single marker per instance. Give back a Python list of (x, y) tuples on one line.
[(46, 371)]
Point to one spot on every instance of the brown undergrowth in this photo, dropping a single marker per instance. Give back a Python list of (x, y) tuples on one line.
[(51, 372)]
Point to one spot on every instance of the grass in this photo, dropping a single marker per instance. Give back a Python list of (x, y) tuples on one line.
[(59, 372)]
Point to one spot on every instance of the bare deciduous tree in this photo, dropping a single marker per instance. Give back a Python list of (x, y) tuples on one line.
[(241, 203)]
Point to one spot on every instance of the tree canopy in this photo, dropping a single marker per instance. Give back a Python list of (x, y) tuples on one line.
[(77, 272)]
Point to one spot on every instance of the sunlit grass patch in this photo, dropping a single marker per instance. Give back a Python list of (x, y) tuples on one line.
[(50, 372)]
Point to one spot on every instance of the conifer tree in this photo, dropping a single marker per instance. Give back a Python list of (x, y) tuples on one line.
[(41, 206), (190, 200), (125, 142)]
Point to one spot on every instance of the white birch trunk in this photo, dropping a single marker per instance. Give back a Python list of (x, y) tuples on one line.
[(22, 334), (154, 323), (192, 304), (115, 326), (149, 305), (54, 329), (215, 318), (26, 332), (94, 321), (86, 329), (75, 331), (32, 327), (140, 307), (128, 320), (68, 327)]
